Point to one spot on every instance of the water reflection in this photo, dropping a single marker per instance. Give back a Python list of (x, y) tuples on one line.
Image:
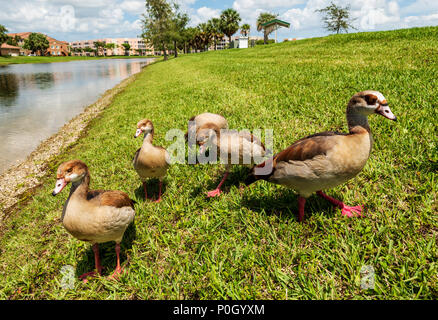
[(37, 99), (8, 89)]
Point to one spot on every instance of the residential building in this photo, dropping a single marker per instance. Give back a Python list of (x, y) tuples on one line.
[(56, 47), (223, 43), (137, 47), (8, 50)]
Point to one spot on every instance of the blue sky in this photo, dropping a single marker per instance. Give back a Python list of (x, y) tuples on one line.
[(71, 20)]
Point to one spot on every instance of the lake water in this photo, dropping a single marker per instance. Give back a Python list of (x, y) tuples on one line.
[(36, 100)]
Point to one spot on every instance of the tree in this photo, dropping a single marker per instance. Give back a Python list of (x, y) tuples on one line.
[(244, 29), (230, 19), (13, 41), (179, 23), (36, 42), (127, 47), (110, 46), (215, 28), (263, 18), (99, 45), (205, 34), (336, 18), (3, 36), (193, 38), (158, 24)]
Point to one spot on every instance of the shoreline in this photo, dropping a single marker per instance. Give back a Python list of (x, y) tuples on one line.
[(18, 181), (37, 60)]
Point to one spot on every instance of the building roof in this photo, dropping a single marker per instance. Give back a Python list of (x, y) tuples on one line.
[(23, 35), (276, 22), (7, 46)]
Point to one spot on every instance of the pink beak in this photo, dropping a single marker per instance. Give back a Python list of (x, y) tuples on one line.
[(137, 133), (60, 184), (385, 111)]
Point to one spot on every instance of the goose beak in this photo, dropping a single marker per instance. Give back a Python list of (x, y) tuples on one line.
[(384, 110), (60, 184), (137, 133), (202, 149)]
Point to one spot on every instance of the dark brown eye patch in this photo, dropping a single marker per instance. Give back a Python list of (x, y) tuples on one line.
[(370, 99), (69, 170)]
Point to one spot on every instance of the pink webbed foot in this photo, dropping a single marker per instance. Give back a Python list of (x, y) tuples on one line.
[(214, 193), (345, 210), (117, 272), (92, 274), (352, 211)]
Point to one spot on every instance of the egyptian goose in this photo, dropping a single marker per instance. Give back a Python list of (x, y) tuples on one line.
[(150, 161), (201, 119), (95, 216), (325, 160), (232, 147)]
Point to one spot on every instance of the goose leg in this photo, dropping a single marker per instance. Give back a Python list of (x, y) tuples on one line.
[(118, 267), (301, 203), (84, 276), (159, 192), (145, 190), (216, 192), (345, 210)]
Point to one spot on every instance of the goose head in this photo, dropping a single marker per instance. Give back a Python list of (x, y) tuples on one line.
[(208, 132), (369, 102), (70, 171), (144, 126)]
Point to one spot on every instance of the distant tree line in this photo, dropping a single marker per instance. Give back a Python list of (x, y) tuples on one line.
[(166, 28)]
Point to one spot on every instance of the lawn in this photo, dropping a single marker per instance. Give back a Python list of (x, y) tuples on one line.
[(249, 245), (25, 59)]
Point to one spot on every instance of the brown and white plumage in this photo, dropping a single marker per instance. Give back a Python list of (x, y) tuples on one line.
[(325, 160), (95, 216), (196, 122), (150, 161), (232, 147)]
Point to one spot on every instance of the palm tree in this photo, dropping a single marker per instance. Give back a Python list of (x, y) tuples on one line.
[(110, 46), (215, 27), (127, 47), (99, 45), (263, 18), (205, 34), (230, 19), (193, 38), (244, 29)]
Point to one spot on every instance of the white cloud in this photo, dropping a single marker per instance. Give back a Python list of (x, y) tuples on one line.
[(96, 18), (265, 4), (133, 7), (202, 14)]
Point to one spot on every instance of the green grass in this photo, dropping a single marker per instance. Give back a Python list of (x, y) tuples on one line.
[(249, 245), (24, 59)]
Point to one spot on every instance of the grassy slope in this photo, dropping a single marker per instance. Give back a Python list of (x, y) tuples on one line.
[(25, 59), (250, 245)]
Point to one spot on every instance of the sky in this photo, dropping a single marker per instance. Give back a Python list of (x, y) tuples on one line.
[(71, 20)]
